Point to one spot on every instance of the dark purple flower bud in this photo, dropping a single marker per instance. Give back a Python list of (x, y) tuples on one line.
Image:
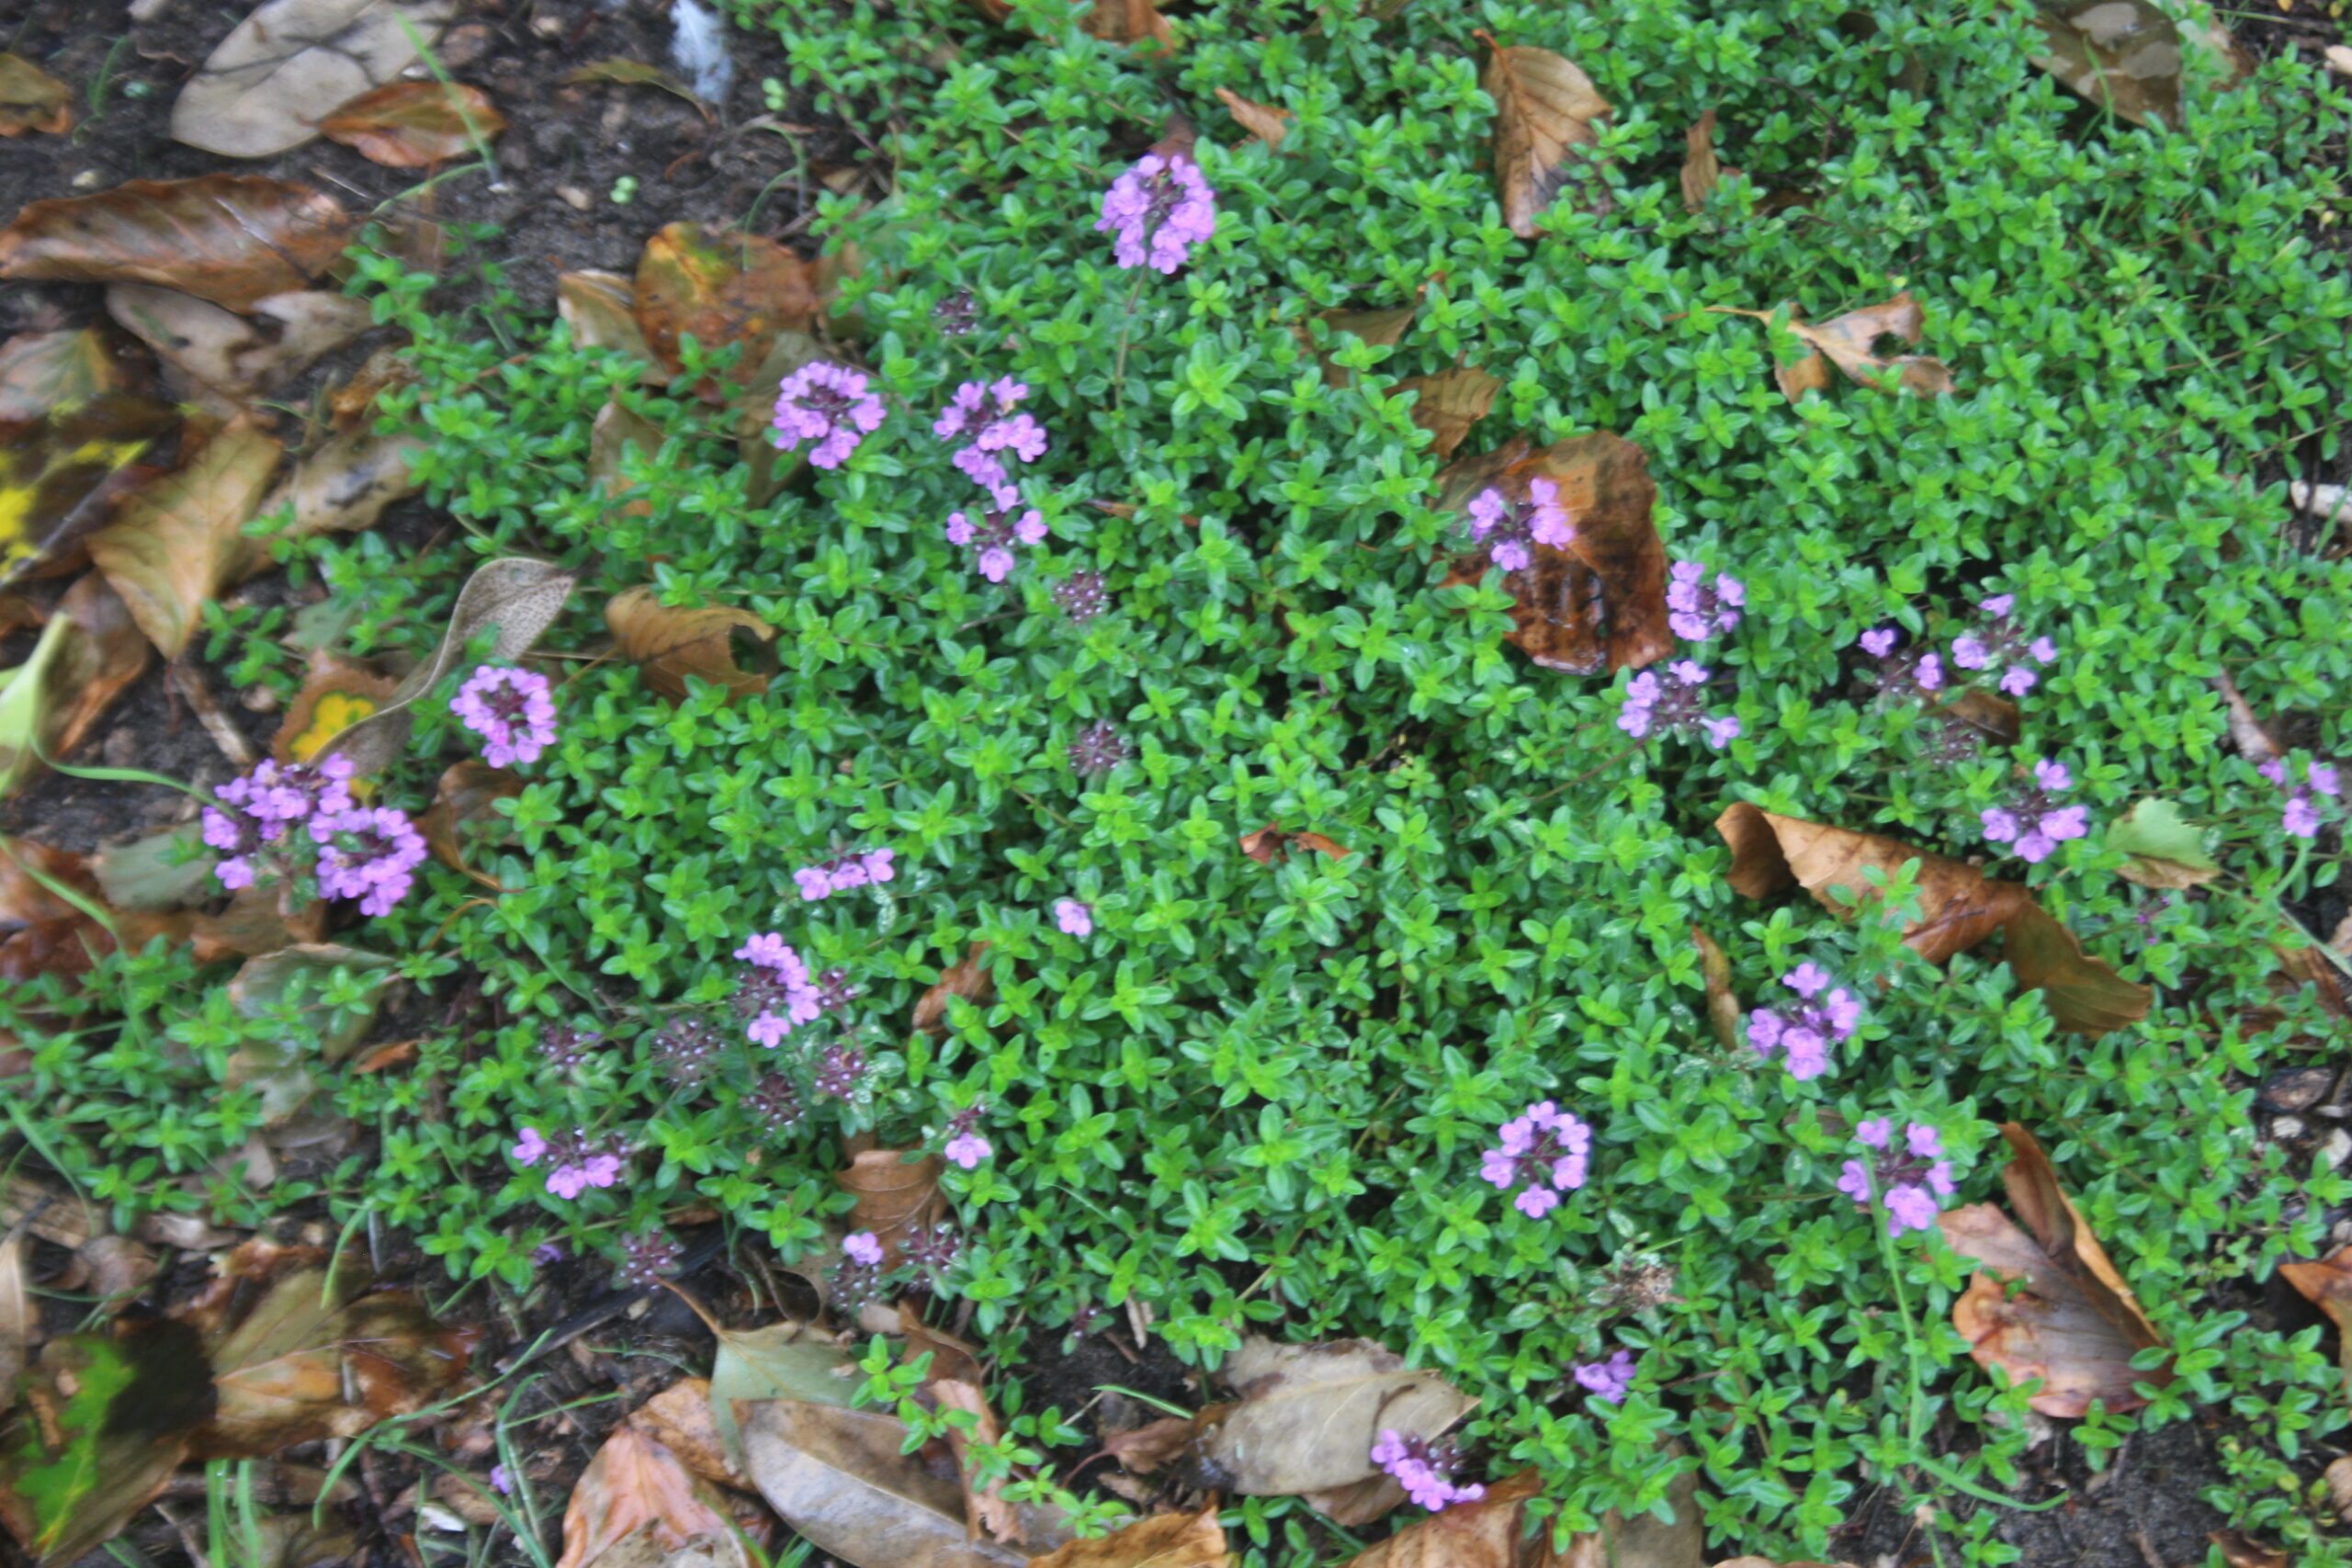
[(1082, 596), (648, 1256), (1098, 749)]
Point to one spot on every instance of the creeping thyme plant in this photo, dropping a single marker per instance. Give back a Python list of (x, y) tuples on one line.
[(1102, 549)]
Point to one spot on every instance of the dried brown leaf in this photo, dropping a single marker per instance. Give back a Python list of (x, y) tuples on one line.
[(2120, 54), (1700, 171), (464, 813), (720, 289), (601, 310), (1849, 341), (1308, 1415), (2327, 1285), (290, 64), (634, 1483), (19, 1324), (2239, 1549), (985, 1507), (228, 356), (951, 1357), (1449, 402), (177, 543), (668, 643), (42, 371), (969, 979), (681, 1419), (231, 239), (1137, 22), (33, 99), (412, 125), (622, 73), (2248, 733), (1493, 1532), (343, 484), (1723, 1006), (1544, 110), (840, 1479), (2049, 1304), (1262, 121), (1273, 843), (1163, 1541), (892, 1196), (335, 694), (2083, 996), (1147, 1448)]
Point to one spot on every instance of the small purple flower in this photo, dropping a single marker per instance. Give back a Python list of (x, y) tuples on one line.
[(370, 854), (879, 865), (1998, 606), (840, 1071), (529, 1144), (577, 1162), (2033, 820), (2018, 679), (1073, 918), (1675, 706), (512, 711), (994, 533), (1507, 530), (2301, 816), (826, 404), (862, 1246), (1908, 1181), (845, 872), (1969, 651), (815, 882), (2002, 642), (1697, 612), (967, 1150), (1928, 673), (1423, 1469), (1158, 211), (500, 1481), (1802, 1035), (1879, 642), (1544, 1153), (1608, 1381), (260, 811), (1081, 596), (1098, 750)]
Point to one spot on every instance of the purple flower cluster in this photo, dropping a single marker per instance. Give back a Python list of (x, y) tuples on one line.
[(648, 1256), (575, 1161), (779, 986), (512, 710), (956, 315), (2003, 642), (1697, 612), (1158, 211), (1507, 531), (964, 1146), (844, 872), (1608, 1381), (989, 415), (828, 404), (1664, 707), (1423, 1469), (2302, 816), (1803, 1035), (261, 810), (1544, 1153), (1082, 596), (370, 854), (840, 1071), (862, 1247), (1072, 918), (994, 533), (1909, 1180), (1098, 749), (931, 1251), (2034, 822), (1917, 671)]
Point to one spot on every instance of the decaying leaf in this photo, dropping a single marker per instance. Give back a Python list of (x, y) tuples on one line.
[(413, 125), (1137, 22), (2239, 1549), (1308, 1415), (781, 1360), (179, 542), (103, 1421), (1544, 110), (514, 597), (354, 400), (1161, 1541), (633, 74), (2327, 1285), (1449, 402), (464, 812), (1496, 1532), (893, 1196), (682, 1419), (2120, 54), (1701, 172), (1849, 342), (1381, 328), (293, 63), (231, 239), (1600, 603), (63, 473), (2249, 734), (288, 987), (969, 979), (168, 869), (232, 357), (1273, 843), (41, 371), (88, 652), (668, 643), (636, 1484), (838, 1478), (719, 289), (344, 484), (33, 99), (335, 694), (601, 310), (985, 1507), (1263, 122), (1723, 1006), (2048, 1304), (1959, 908)]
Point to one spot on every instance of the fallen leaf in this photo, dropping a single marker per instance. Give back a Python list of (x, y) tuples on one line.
[(2338, 1474), (1137, 22), (2047, 1305), (633, 74), (291, 63), (635, 1483), (719, 289), (1493, 1532), (413, 125), (2339, 59), (967, 979), (287, 987), (1262, 121), (44, 371), (1959, 908), (838, 1478), (1646, 1540), (1359, 1503), (465, 811), (355, 399), (335, 694), (893, 1196), (102, 1422), (985, 1507), (88, 653), (1544, 109), (291, 1540), (345, 484), (2239, 1549), (2327, 1285), (1381, 328), (601, 310), (2166, 849), (669, 643), (781, 1360), (950, 1358), (234, 239), (514, 597), (19, 1324), (682, 1419), (178, 543), (1600, 603), (2119, 55), (63, 473), (1163, 1541), (33, 99), (1308, 1415), (1994, 717), (227, 355), (2248, 733), (1273, 843), (1723, 1006), (1449, 402), (1849, 341)]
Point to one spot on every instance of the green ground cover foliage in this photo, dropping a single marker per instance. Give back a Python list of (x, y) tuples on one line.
[(1256, 1096)]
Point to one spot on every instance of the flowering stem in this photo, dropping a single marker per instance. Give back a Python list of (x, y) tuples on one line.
[(1127, 328)]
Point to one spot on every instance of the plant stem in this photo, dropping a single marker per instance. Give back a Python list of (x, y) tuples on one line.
[(1127, 328)]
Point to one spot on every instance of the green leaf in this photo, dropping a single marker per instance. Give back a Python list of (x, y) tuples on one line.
[(2165, 850)]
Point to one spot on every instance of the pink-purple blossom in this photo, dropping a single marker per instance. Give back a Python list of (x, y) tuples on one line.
[(1508, 531), (1544, 1153), (512, 711), (965, 1147), (529, 1144), (1158, 211), (1802, 1035), (862, 1247), (993, 535), (987, 416), (575, 1161), (2001, 641), (2033, 819), (1697, 610), (779, 994), (259, 812), (1879, 641), (1073, 918), (828, 405), (1675, 705), (1423, 1469), (1608, 1381), (857, 868), (2301, 816), (1909, 1180), (370, 854)]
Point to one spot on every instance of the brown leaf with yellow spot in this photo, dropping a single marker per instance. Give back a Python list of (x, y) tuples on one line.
[(892, 1196), (33, 99), (63, 473), (412, 125), (1161, 1541), (719, 289), (1544, 110), (1263, 122), (669, 643), (1449, 402), (1850, 342), (231, 239), (2048, 1302), (337, 694)]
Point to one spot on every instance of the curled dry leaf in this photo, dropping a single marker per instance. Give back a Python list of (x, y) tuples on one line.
[(335, 694), (1959, 908), (1849, 341), (967, 979), (1163, 1541), (892, 1196), (464, 813), (1723, 1006), (840, 1479), (1308, 1415), (412, 125), (88, 652), (951, 1357), (782, 1360), (1600, 603), (2327, 1285), (33, 99), (601, 310), (1449, 402), (1263, 122), (668, 643), (179, 542), (2165, 850), (42, 371), (1701, 172), (985, 1507), (2248, 733), (1544, 110), (1272, 843), (234, 239), (719, 289), (293, 63), (635, 1483), (681, 1419), (2119, 55), (2048, 1304), (62, 474), (1147, 1448), (230, 355)]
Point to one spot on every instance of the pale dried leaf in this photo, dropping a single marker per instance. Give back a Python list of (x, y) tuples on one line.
[(1544, 110), (1262, 121), (1309, 1415), (838, 1477), (19, 1324), (634, 1483), (2120, 54), (231, 239), (345, 484), (179, 542), (40, 370), (292, 63)]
